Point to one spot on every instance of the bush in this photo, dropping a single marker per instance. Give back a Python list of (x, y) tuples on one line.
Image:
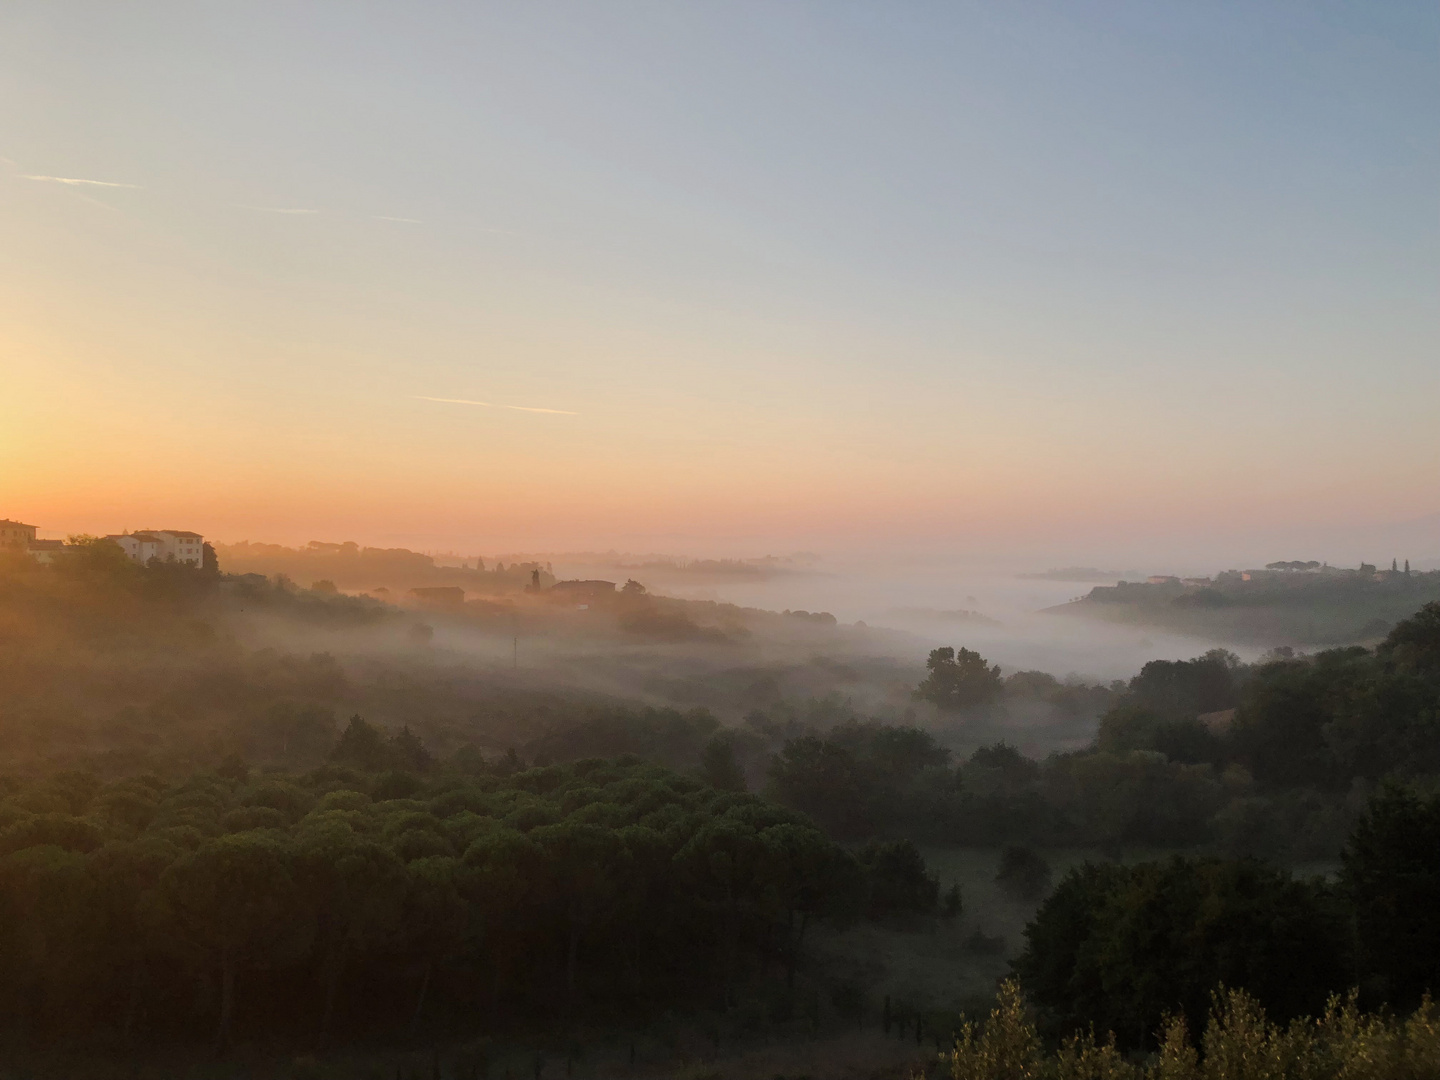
[(1240, 1043)]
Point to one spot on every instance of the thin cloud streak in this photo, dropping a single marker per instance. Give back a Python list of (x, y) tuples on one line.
[(279, 210), (407, 220), (77, 181), (492, 405)]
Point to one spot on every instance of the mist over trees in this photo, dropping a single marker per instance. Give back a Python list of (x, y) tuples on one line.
[(206, 836)]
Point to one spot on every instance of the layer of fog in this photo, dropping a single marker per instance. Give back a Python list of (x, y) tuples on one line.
[(934, 602), (890, 614)]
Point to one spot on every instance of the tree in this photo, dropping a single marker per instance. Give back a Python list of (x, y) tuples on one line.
[(1007, 761), (1128, 726), (1414, 643), (96, 558), (235, 899), (47, 928), (1391, 875), (362, 745), (805, 875), (436, 919), (502, 885), (897, 880), (825, 780), (1120, 947), (1182, 689), (1133, 726), (723, 862), (408, 752), (719, 767), (356, 887), (579, 862), (1279, 729), (127, 882), (958, 680)]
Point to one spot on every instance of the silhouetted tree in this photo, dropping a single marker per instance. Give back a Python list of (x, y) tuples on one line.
[(719, 767), (958, 680), (362, 745)]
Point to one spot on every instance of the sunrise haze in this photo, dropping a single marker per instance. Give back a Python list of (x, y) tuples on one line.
[(717, 277)]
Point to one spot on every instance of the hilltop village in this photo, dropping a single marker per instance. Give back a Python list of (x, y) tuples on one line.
[(1292, 602), (166, 545)]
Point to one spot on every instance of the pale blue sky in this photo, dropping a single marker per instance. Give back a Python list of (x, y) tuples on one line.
[(1104, 266)]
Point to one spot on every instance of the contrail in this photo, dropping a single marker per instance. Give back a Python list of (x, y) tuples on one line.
[(492, 405), (74, 180)]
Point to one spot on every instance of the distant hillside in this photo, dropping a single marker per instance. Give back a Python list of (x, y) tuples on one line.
[(1084, 574), (1285, 604)]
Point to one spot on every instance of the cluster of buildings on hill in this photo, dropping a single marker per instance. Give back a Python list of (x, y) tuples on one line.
[(581, 593), (167, 545), (1290, 573)]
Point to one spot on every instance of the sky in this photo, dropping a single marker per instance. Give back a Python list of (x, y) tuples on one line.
[(1032, 278)]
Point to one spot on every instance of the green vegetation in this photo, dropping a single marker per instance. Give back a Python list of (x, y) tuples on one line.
[(329, 902), (958, 680), (1239, 1043), (350, 566), (194, 848), (1117, 948), (1273, 760)]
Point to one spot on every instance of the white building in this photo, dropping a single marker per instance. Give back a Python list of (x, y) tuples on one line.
[(15, 534), (162, 544), (44, 551)]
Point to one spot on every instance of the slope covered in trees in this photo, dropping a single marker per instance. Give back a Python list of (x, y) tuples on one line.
[(318, 905), (1274, 759)]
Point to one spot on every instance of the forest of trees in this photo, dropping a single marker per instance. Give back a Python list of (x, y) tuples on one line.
[(1286, 774), (344, 900), (1118, 948)]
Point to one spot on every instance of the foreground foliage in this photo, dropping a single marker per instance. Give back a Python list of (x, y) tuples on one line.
[(1116, 948), (1239, 1043)]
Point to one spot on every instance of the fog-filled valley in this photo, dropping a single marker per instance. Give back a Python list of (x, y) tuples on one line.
[(168, 727), (719, 541)]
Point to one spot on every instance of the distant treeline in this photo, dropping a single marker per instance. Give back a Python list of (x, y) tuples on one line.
[(349, 565)]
